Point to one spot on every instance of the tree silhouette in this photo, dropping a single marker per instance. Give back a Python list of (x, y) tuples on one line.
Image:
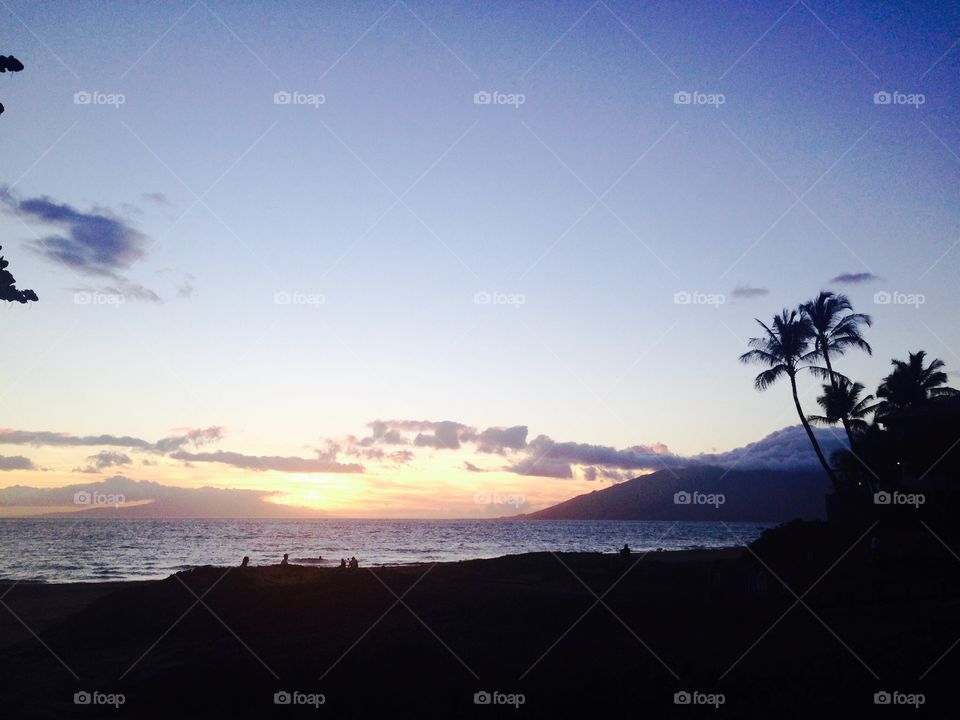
[(785, 349), (841, 401), (836, 329), (8, 63), (8, 286), (911, 384)]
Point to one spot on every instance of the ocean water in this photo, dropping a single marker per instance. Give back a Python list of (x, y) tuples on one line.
[(69, 550)]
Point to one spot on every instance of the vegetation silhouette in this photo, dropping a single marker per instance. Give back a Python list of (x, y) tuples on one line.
[(911, 384), (786, 349), (909, 446), (836, 329), (8, 63), (8, 286)]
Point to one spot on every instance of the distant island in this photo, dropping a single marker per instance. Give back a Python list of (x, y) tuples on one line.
[(701, 493)]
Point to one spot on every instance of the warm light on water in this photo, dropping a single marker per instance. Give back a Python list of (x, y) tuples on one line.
[(64, 550)]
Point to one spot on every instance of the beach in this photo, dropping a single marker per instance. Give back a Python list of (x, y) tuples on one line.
[(538, 634)]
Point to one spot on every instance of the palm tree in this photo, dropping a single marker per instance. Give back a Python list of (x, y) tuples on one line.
[(784, 349), (911, 384), (836, 329), (842, 402)]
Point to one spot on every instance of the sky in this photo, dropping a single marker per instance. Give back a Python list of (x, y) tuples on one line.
[(273, 233)]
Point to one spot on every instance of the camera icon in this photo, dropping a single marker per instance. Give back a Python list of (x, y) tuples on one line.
[(82, 497), (482, 98), (682, 98), (681, 498), (882, 98), (282, 298), (682, 698), (282, 698), (882, 698), (882, 498), (482, 698), (682, 298), (82, 98), (482, 298), (282, 98), (82, 698), (882, 298), (82, 298)]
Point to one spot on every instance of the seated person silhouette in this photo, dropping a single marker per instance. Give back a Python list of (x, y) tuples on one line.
[(353, 563), (286, 560), (245, 563), (625, 550), (343, 564)]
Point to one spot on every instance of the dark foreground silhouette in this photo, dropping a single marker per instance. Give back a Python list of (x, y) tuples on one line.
[(502, 630)]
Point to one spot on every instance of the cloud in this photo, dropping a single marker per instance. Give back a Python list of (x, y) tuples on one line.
[(498, 439), (547, 458), (41, 438), (189, 436), (745, 292), (16, 462), (445, 435), (102, 460), (158, 198), (470, 467), (854, 278), (786, 449), (322, 463), (94, 243), (151, 500), (97, 243)]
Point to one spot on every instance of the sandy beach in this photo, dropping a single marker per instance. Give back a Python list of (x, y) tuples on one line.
[(612, 635)]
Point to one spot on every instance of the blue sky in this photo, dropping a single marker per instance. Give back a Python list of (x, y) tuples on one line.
[(585, 209)]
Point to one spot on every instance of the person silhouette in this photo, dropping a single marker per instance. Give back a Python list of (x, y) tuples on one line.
[(286, 560), (625, 550), (353, 563), (343, 564), (245, 563)]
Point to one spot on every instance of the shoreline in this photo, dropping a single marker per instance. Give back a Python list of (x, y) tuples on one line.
[(668, 555)]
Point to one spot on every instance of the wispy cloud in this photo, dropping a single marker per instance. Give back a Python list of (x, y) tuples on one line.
[(745, 292), (321, 463), (857, 278)]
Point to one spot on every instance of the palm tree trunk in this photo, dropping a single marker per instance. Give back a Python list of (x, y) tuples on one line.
[(813, 438), (833, 381)]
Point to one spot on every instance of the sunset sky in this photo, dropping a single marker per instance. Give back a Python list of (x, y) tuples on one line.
[(290, 247)]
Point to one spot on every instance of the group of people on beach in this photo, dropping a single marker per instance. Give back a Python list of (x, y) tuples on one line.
[(352, 563)]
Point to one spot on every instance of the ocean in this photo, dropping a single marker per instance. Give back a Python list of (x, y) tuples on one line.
[(72, 550)]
